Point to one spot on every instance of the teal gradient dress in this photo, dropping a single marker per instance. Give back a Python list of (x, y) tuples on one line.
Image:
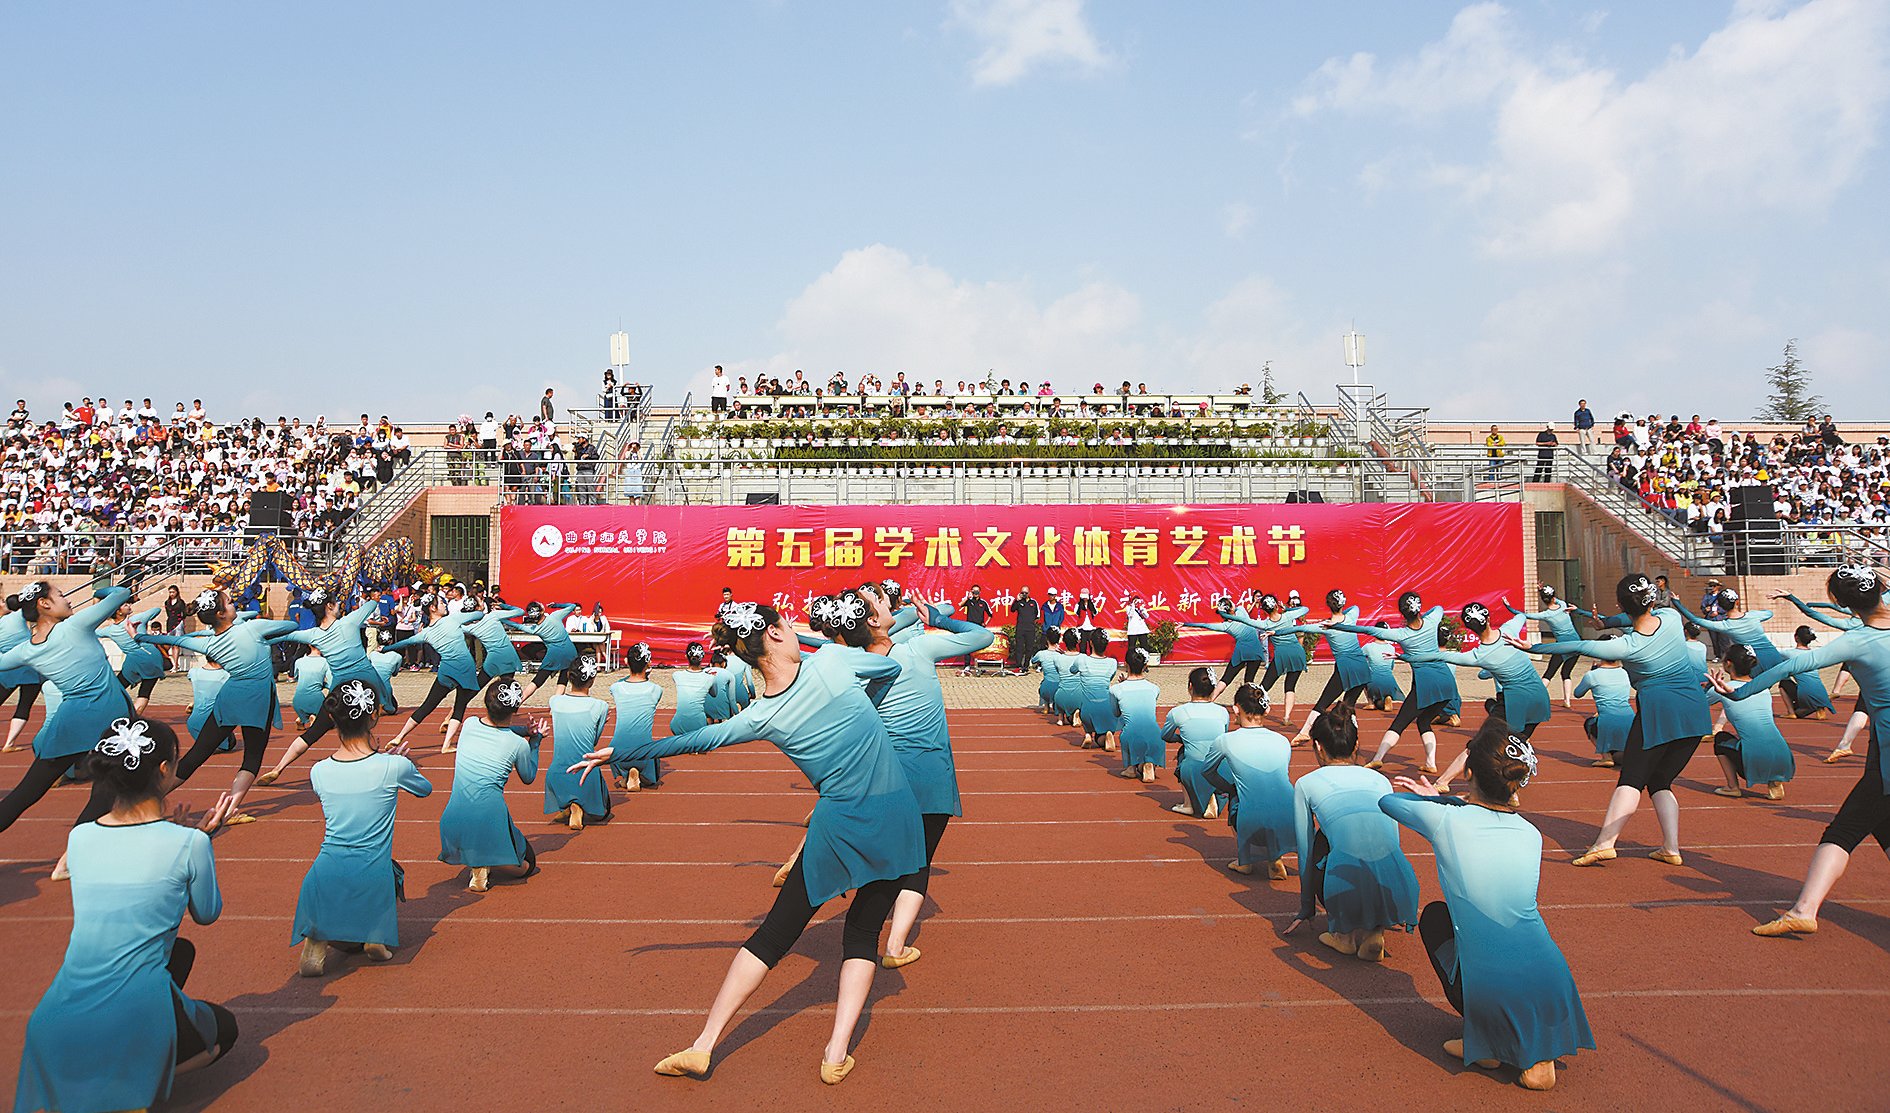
[(476, 828), (73, 660), (560, 651), (1049, 662), (732, 690), (1557, 624), (1348, 655), (1614, 707), (1520, 1006), (447, 638), (345, 650), (865, 826), (912, 707), (1432, 681), (1748, 630), (248, 695), (13, 632), (1240, 626), (1381, 681), (311, 673), (1254, 761), (1069, 695), (142, 661), (692, 699), (350, 892), (205, 683), (1141, 733), (1762, 748), (636, 702), (1866, 651), (1197, 725), (489, 630), (1523, 697), (104, 1036), (577, 728), (1098, 710), (1368, 883), (1667, 683)]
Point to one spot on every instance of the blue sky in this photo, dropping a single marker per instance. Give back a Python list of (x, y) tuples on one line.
[(424, 209)]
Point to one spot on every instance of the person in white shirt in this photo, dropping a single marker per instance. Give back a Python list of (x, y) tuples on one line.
[(719, 390), (1135, 622)]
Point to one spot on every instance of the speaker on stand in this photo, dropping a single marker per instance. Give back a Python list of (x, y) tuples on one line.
[(1754, 541), (269, 513)]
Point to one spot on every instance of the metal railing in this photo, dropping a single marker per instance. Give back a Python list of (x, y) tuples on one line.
[(1218, 406), (1328, 478), (1824, 546), (109, 557), (1696, 552)]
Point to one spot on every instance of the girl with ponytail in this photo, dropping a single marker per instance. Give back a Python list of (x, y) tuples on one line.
[(476, 829)]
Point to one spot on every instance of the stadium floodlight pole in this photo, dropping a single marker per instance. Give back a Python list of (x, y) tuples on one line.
[(620, 351), (1355, 352)]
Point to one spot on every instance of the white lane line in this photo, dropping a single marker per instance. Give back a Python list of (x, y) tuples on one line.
[(883, 1009)]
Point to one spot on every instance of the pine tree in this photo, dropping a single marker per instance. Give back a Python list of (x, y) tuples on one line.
[(1268, 395), (1791, 398)]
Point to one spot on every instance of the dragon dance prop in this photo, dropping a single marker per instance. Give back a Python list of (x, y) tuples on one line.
[(357, 572)]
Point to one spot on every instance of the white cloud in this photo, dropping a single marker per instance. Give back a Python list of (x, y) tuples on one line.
[(879, 310), (1023, 35), (1236, 220), (1774, 110)]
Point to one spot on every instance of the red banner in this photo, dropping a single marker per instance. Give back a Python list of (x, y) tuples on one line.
[(659, 570)]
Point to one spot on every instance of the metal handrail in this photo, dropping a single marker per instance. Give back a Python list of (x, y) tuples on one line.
[(153, 557), (1695, 551), (1834, 543)]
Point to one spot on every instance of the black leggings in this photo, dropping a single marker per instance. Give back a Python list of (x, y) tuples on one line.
[(1425, 717), (461, 697), (1726, 745), (1653, 769), (1252, 667), (1560, 664), (190, 1041), (1865, 813), (919, 880), (542, 675), (29, 695), (39, 779), (145, 687), (1273, 673), (1436, 928), (1332, 692), (255, 741), (785, 922)]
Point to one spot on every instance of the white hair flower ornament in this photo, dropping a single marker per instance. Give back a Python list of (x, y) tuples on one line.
[(129, 741)]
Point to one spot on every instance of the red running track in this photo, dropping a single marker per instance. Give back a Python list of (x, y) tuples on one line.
[(1087, 949)]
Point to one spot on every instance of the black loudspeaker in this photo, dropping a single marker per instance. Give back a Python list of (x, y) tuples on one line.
[(269, 512), (1304, 496), (1755, 541), (763, 498)]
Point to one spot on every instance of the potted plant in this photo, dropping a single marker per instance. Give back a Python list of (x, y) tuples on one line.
[(1161, 640)]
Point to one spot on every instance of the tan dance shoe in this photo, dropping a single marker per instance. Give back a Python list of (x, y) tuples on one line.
[(904, 958), (1372, 948), (1593, 857), (1787, 924), (379, 952), (835, 1073), (575, 819), (1454, 1049), (1671, 857), (1239, 868), (1338, 943), (314, 960), (268, 778), (1838, 755), (1276, 871), (1775, 790), (633, 780), (481, 879), (1727, 791), (1539, 1077), (689, 1061), (1182, 809)]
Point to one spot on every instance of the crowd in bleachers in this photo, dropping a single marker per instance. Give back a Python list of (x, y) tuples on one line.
[(799, 397), (1689, 470), (95, 484)]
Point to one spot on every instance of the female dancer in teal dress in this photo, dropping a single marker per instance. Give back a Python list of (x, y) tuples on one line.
[(351, 891), (311, 688), (1286, 654), (1557, 625), (1668, 724), (1254, 761), (864, 835), (21, 681), (1865, 813), (1433, 685), (1608, 727), (1250, 649), (1049, 662), (456, 673), (1486, 939), (1197, 724), (636, 697), (62, 646), (1746, 627), (1753, 750), (548, 625), (489, 630), (206, 680), (692, 691), (1836, 617), (1351, 668), (339, 637), (1522, 699), (1381, 683), (1097, 670), (1136, 696), (577, 727), (247, 700), (115, 1025), (912, 708), (476, 829), (1349, 860), (143, 665), (1069, 695)]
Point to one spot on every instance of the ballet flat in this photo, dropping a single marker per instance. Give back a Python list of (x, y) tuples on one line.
[(1338, 943), (1182, 809), (575, 819), (1428, 770), (1127, 773), (1372, 952), (1787, 925), (1731, 793), (1454, 1049), (1672, 859), (379, 952), (1239, 868), (1277, 871), (1775, 791), (1837, 756), (835, 1073), (1539, 1077), (314, 958), (1593, 857), (1374, 764), (480, 881), (905, 958), (781, 875), (268, 778), (690, 1061), (1602, 763), (239, 819)]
